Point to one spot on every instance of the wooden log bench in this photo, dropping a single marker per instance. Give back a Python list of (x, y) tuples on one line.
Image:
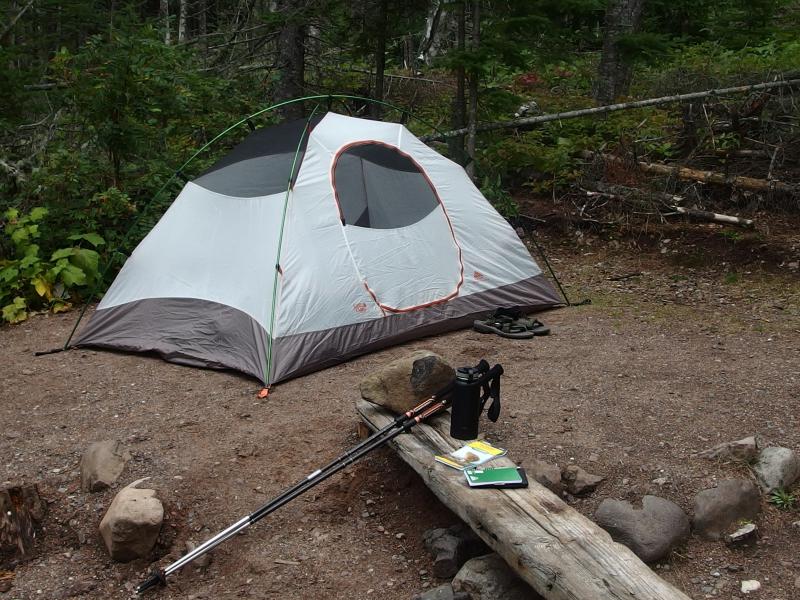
[(559, 552)]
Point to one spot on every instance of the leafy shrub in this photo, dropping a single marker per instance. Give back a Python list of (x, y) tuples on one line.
[(494, 192), (28, 281)]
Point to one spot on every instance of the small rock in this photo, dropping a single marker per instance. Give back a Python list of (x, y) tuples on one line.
[(579, 481), (659, 481), (745, 449), (797, 582), (102, 464), (750, 585), (777, 468), (717, 509), (650, 532), (400, 536), (201, 561), (741, 535), (593, 457), (490, 578), (451, 548), (443, 592), (546, 474), (403, 383), (130, 526)]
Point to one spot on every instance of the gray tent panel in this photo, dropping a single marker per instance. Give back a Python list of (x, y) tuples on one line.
[(187, 331), (307, 352), (262, 164)]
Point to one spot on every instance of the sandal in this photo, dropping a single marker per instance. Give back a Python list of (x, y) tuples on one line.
[(535, 325), (506, 328)]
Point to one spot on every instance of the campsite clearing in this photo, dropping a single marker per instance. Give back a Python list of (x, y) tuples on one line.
[(671, 359)]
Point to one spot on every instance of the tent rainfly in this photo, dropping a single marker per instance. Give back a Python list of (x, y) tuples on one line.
[(312, 242)]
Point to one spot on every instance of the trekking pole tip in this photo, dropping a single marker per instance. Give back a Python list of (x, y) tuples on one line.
[(156, 578)]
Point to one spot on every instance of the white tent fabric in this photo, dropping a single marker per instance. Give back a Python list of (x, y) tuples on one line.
[(229, 281)]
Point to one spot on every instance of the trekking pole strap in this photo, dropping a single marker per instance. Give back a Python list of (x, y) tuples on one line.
[(490, 388)]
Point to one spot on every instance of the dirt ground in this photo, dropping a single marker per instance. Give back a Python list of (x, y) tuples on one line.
[(671, 357)]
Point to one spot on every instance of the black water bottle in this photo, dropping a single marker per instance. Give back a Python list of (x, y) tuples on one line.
[(466, 404)]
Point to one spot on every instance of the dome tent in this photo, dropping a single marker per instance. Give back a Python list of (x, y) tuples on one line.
[(312, 242)]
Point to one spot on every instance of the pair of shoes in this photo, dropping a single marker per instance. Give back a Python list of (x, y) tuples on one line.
[(520, 328)]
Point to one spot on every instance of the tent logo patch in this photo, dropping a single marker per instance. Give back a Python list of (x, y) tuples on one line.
[(360, 307), (478, 276)]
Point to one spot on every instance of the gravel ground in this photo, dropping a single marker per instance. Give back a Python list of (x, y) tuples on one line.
[(671, 357)]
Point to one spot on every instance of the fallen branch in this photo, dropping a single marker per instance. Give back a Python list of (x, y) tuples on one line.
[(686, 173), (572, 114), (671, 203)]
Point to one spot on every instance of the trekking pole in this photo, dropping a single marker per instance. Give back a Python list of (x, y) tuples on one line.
[(401, 424)]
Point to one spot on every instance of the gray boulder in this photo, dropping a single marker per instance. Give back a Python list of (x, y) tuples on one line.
[(777, 468), (405, 382), (131, 525), (102, 464), (579, 481), (490, 578), (718, 509), (651, 532), (451, 548), (546, 474)]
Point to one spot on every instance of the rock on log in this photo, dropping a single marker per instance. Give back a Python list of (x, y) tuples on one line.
[(20, 508), (558, 551)]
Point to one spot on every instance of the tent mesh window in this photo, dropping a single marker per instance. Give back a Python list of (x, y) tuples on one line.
[(380, 187)]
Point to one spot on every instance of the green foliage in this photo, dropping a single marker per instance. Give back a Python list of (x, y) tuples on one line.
[(495, 193), (28, 281), (783, 499)]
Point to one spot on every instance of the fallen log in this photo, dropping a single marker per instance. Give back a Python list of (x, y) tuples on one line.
[(597, 110), (558, 551), (21, 508), (686, 173)]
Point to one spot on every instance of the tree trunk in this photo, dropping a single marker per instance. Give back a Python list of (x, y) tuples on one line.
[(440, 28), (291, 60), (20, 509), (473, 91), (614, 72), (182, 28), (380, 58), (163, 15), (455, 145)]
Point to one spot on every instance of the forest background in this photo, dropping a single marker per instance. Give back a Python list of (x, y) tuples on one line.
[(101, 102)]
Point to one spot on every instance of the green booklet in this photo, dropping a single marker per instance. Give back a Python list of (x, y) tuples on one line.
[(498, 477)]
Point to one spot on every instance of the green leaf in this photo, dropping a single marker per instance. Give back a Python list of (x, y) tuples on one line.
[(16, 311), (32, 251), (9, 273), (28, 261), (19, 235), (38, 213), (72, 276), (63, 253), (93, 238), (87, 260)]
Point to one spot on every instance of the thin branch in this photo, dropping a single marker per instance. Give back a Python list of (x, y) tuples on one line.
[(13, 22)]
